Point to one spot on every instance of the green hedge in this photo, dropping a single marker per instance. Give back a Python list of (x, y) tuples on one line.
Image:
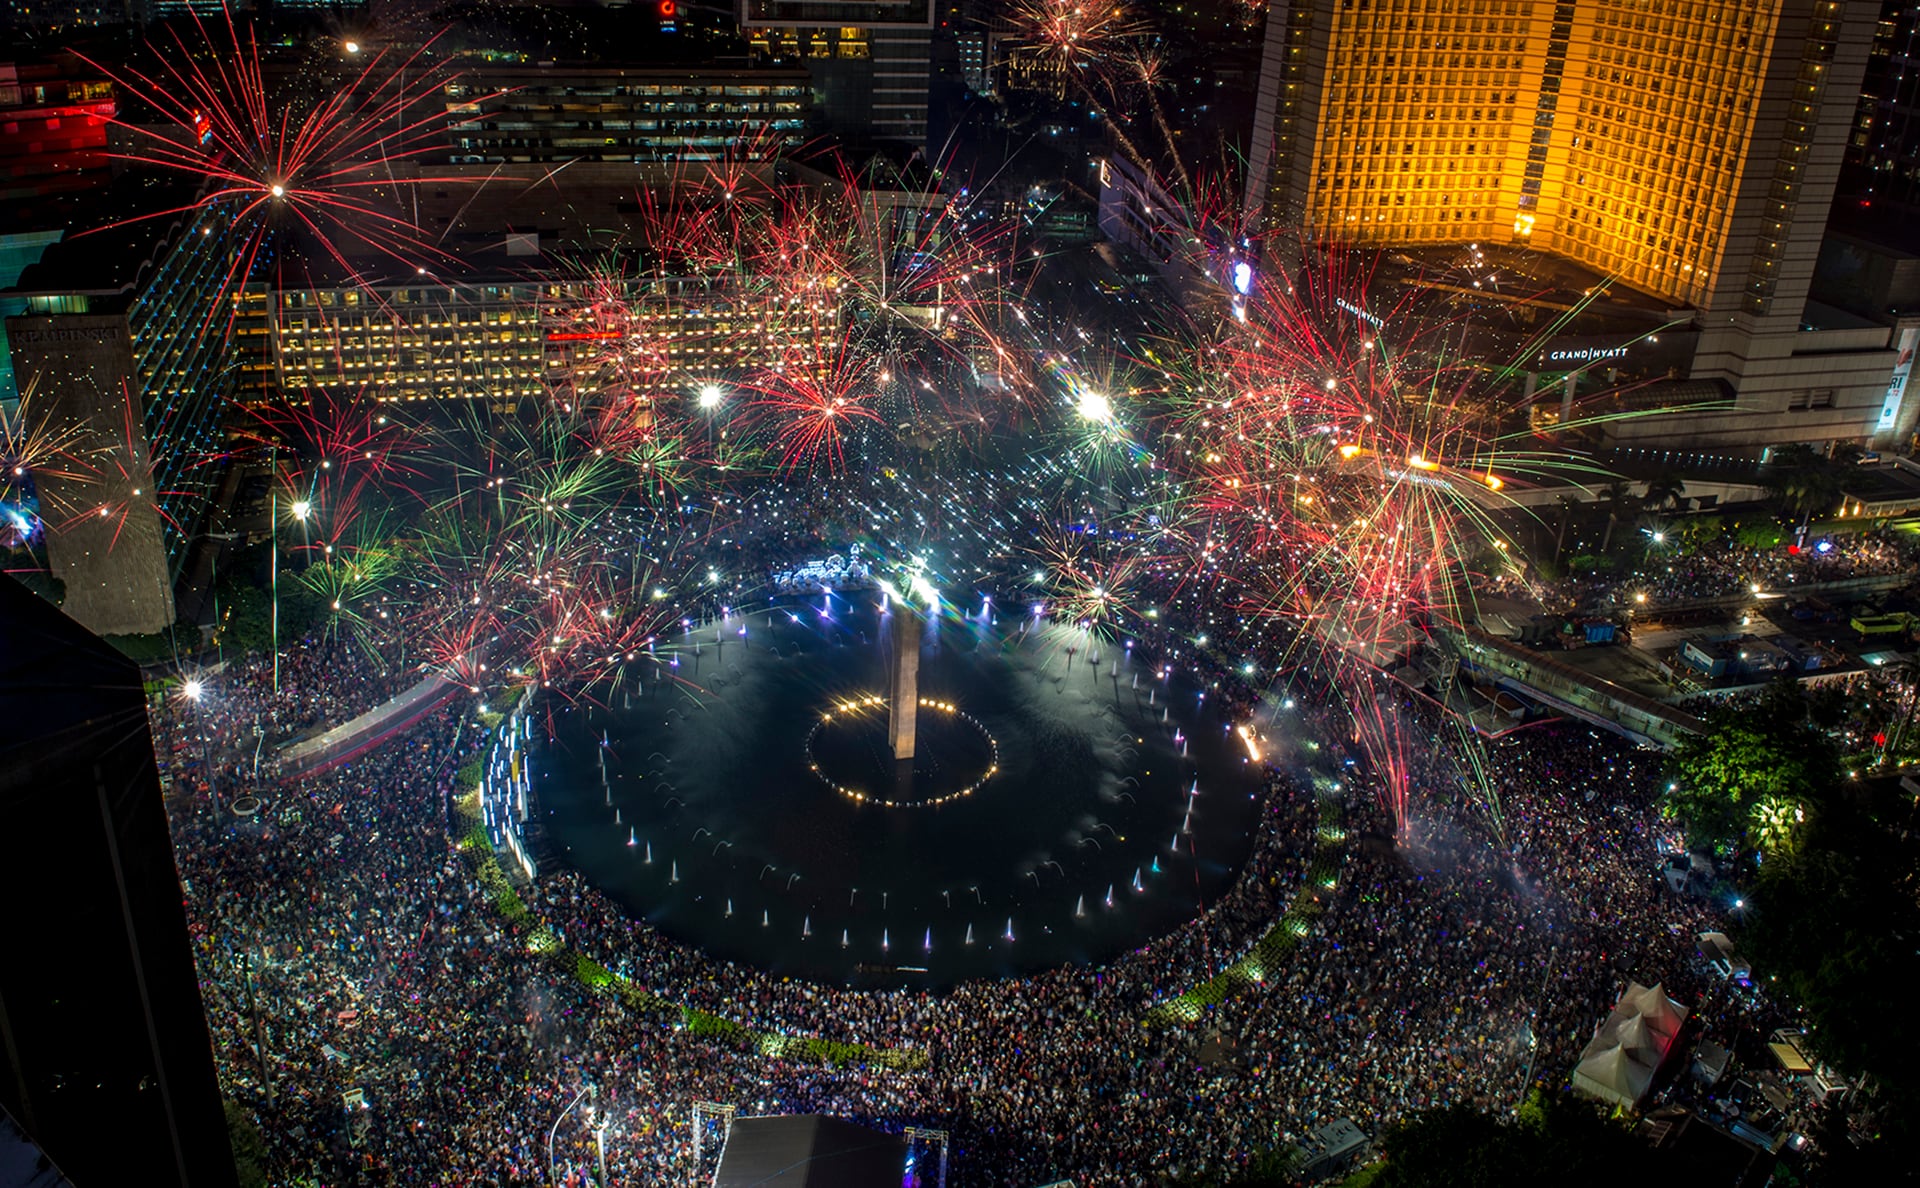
[(1279, 941)]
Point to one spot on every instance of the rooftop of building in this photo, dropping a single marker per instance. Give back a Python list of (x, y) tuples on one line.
[(1820, 316), (1881, 484), (110, 238), (1888, 225), (1503, 274)]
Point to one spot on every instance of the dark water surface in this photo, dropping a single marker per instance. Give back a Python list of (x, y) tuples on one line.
[(707, 768)]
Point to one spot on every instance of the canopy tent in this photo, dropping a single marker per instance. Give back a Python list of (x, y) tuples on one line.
[(1620, 1061)]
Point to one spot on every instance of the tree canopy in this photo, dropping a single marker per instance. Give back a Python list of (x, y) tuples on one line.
[(1834, 924), (1753, 771), (1554, 1139)]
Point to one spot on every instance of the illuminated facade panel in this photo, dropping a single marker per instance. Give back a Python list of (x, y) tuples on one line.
[(1666, 143), (1416, 138), (514, 341), (870, 60), (500, 114)]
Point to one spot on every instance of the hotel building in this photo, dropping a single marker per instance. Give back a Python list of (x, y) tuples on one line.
[(1688, 150)]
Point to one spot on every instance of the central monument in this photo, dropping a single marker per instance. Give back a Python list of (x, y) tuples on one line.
[(903, 682)]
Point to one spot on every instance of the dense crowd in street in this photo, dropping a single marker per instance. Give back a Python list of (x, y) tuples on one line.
[(1719, 571), (345, 944)]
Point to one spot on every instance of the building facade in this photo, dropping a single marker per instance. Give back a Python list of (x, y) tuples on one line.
[(587, 113), (53, 161), (517, 340), (1689, 150), (1883, 153), (871, 61), (144, 372)]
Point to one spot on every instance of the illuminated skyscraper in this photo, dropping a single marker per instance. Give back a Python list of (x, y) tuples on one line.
[(1688, 149)]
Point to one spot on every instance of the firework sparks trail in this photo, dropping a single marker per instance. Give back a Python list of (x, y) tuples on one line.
[(1092, 579), (1349, 482), (33, 441), (266, 159), (810, 408)]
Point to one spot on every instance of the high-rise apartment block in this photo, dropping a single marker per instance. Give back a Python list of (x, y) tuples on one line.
[(1883, 155), (1686, 149)]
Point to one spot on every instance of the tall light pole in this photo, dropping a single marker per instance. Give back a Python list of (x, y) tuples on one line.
[(709, 399), (196, 692), (553, 1132), (302, 508)]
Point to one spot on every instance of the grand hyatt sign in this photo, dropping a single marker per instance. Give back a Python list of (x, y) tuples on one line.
[(1585, 354)]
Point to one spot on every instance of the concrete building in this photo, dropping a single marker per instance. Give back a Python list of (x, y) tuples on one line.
[(1689, 151), (505, 339), (40, 17), (103, 526), (543, 290), (870, 60), (130, 342), (610, 113)]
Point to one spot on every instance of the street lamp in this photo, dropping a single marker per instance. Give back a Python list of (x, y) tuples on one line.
[(196, 691), (552, 1163), (302, 509)]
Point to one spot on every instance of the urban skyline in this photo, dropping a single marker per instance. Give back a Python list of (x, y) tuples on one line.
[(1014, 592)]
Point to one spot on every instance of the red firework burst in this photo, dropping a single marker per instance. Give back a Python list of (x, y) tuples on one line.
[(810, 406), (271, 157)]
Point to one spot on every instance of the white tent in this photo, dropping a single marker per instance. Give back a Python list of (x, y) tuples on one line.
[(1613, 1075), (1619, 1063)]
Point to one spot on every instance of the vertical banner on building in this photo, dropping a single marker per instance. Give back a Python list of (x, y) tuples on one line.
[(1897, 387)]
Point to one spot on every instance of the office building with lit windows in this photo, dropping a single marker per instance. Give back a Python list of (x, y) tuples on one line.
[(506, 340), (609, 113), (1686, 150), (870, 60)]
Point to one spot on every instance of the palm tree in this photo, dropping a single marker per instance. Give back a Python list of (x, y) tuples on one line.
[(1566, 503), (1665, 491), (1801, 479), (1620, 503)]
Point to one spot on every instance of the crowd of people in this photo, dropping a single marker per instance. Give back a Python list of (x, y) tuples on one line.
[(1722, 570), (346, 947)]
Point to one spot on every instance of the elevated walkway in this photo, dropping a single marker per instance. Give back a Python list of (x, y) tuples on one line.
[(1570, 690), (358, 735)]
